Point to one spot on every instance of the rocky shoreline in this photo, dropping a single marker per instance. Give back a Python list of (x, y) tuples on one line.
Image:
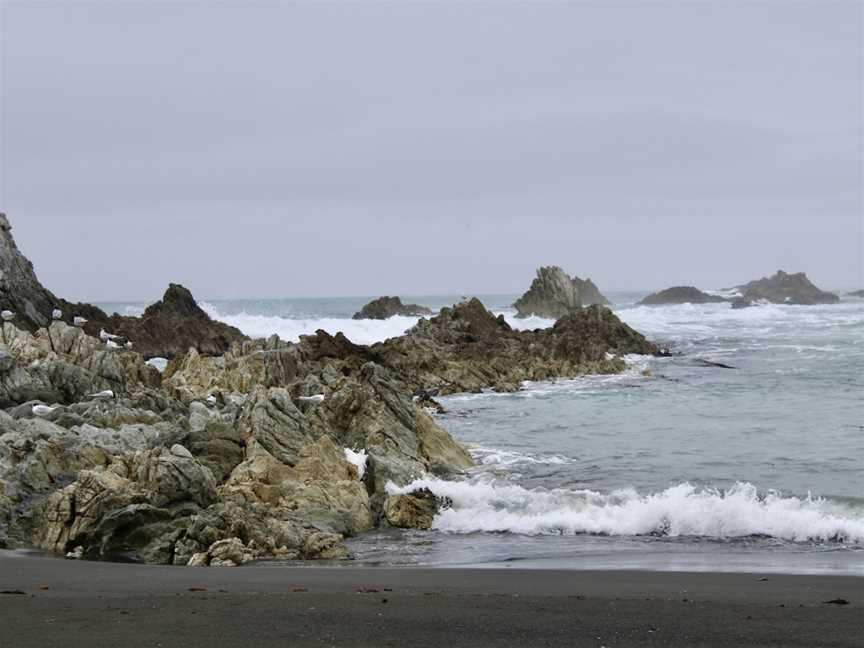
[(242, 449)]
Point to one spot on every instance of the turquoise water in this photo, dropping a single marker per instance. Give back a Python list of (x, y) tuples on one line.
[(759, 466)]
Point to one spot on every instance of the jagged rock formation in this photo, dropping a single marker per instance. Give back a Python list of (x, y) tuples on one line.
[(466, 349), (386, 307), (235, 456), (783, 288), (167, 329), (20, 290), (680, 295), (554, 294)]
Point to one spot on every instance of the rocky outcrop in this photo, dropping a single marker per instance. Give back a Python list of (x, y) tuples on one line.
[(248, 449), (20, 290), (386, 307), (466, 349), (167, 329), (856, 293), (680, 295), (783, 288), (554, 294)]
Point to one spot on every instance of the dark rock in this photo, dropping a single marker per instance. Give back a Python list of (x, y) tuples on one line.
[(385, 307), (783, 288), (680, 295), (856, 293), (20, 290), (554, 294)]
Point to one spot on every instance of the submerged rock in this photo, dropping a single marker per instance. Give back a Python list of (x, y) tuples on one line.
[(680, 295), (783, 288), (386, 307), (554, 294)]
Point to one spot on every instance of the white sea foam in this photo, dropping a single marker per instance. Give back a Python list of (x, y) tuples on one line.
[(507, 459), (682, 510), (358, 331), (358, 458)]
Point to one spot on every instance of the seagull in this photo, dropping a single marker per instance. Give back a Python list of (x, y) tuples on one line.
[(79, 321), (57, 314), (128, 344), (105, 336), (42, 410), (7, 315), (211, 399), (103, 394), (112, 345), (317, 398)]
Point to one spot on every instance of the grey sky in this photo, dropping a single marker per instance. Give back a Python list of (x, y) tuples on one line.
[(250, 149)]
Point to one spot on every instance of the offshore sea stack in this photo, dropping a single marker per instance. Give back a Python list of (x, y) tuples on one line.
[(387, 307), (783, 288), (554, 294), (680, 295)]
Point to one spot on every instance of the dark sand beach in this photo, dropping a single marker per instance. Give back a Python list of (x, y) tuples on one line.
[(69, 603)]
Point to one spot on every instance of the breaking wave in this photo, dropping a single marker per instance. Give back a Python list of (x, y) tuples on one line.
[(680, 511)]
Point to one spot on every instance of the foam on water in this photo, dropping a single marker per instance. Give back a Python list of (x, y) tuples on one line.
[(289, 329), (358, 458), (682, 510)]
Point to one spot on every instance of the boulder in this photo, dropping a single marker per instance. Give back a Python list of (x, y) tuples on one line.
[(553, 294), (416, 510), (386, 307), (680, 295)]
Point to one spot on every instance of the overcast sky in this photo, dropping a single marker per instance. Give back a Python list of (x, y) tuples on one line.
[(251, 149)]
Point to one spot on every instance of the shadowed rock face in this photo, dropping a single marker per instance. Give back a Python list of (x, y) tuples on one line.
[(554, 294), (680, 295), (20, 290), (783, 288), (385, 307)]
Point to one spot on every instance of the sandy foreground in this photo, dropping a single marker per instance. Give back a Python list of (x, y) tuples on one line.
[(52, 602)]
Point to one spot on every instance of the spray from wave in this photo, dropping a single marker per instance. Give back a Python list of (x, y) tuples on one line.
[(679, 511)]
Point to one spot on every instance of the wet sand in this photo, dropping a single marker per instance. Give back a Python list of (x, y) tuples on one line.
[(52, 602)]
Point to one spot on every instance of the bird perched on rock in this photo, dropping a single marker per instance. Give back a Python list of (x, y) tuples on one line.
[(42, 410), (7, 315), (105, 335), (211, 399), (57, 314), (112, 345), (316, 398), (128, 344), (79, 321), (103, 394)]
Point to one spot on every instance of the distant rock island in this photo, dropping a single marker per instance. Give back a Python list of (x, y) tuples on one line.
[(554, 294), (386, 307), (856, 293), (680, 295), (783, 288)]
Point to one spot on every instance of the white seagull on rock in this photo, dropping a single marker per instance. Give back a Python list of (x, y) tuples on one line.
[(128, 344), (57, 314), (105, 335), (79, 321), (317, 398), (7, 315), (42, 410), (112, 345), (103, 394), (211, 399)]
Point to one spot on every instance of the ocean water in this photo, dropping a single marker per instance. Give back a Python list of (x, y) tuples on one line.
[(759, 466)]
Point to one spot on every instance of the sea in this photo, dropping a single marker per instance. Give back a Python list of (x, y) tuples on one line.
[(744, 451)]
